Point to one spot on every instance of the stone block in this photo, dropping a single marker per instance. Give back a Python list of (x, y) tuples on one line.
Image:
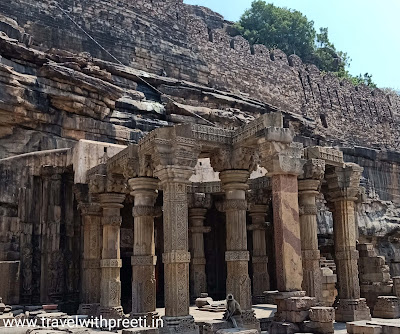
[(322, 314), (390, 328), (350, 327), (396, 286), (9, 281), (318, 327), (293, 316), (367, 329), (140, 331), (297, 304), (277, 327), (352, 310), (237, 330), (387, 307), (375, 277), (331, 279)]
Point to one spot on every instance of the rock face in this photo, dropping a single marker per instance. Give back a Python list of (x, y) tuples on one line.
[(192, 43)]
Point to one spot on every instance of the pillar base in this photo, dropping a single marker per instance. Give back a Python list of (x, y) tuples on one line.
[(249, 321), (174, 325), (149, 316), (89, 309), (111, 312), (352, 310)]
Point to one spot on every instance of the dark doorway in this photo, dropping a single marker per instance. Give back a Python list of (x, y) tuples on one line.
[(215, 247)]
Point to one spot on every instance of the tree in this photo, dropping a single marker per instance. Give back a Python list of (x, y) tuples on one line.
[(276, 27), (291, 31)]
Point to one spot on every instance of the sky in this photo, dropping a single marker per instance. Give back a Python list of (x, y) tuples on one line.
[(368, 30)]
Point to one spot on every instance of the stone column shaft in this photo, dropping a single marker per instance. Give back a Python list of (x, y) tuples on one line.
[(312, 276), (345, 249), (289, 269), (343, 186), (143, 259), (237, 256), (259, 259), (176, 258), (92, 246), (198, 277), (110, 258)]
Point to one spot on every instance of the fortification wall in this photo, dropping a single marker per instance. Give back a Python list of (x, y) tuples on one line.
[(191, 43)]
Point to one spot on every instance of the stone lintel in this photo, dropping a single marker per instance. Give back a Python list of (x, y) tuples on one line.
[(331, 156)]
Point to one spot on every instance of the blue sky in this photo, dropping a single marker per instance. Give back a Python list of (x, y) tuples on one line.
[(368, 30)]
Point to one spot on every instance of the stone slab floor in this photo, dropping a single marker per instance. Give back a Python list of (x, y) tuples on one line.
[(262, 311)]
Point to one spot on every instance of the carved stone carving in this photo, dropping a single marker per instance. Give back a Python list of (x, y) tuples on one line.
[(226, 158)]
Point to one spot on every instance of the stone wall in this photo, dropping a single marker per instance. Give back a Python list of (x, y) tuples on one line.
[(192, 43)]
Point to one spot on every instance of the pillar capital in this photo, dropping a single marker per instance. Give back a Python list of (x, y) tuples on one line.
[(90, 209), (313, 169), (234, 179), (344, 182), (112, 200), (235, 158), (146, 186), (200, 201), (258, 209), (281, 158), (174, 174), (198, 213)]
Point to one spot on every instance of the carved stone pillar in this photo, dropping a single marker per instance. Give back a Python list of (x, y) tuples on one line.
[(259, 259), (197, 215), (343, 186), (92, 245), (176, 258), (234, 184), (144, 190), (52, 257), (309, 186), (283, 163), (110, 301)]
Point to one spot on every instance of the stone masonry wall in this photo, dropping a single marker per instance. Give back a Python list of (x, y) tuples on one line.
[(191, 43)]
